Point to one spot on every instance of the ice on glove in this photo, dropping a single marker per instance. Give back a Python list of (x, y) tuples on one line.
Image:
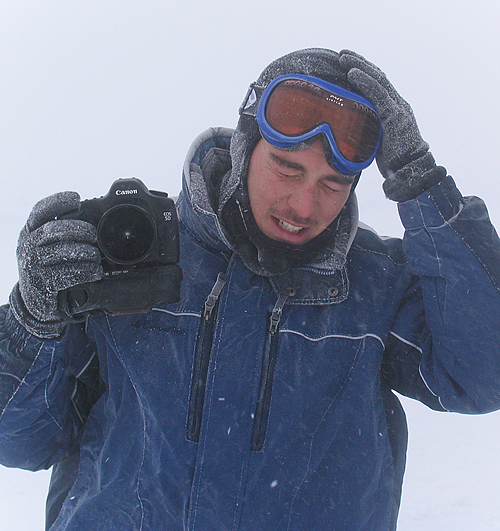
[(403, 158), (52, 255)]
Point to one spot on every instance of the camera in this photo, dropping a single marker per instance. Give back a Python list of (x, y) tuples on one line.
[(138, 237)]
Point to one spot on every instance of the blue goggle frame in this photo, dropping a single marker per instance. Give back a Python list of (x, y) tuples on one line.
[(281, 140)]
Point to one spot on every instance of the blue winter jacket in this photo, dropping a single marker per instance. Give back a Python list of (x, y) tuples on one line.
[(260, 403)]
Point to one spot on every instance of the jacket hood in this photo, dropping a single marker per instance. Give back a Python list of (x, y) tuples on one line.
[(203, 198)]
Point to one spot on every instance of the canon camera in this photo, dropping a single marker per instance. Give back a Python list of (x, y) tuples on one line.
[(138, 236)]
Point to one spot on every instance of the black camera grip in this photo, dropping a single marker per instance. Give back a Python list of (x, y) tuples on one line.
[(147, 288)]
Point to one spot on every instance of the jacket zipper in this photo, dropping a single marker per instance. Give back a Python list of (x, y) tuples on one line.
[(266, 376), (202, 359)]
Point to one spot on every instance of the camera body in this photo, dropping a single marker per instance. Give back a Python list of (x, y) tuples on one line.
[(138, 236)]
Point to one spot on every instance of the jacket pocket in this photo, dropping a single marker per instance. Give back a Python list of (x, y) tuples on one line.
[(202, 360), (269, 357)]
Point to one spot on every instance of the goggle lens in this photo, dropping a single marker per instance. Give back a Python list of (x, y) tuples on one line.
[(296, 107)]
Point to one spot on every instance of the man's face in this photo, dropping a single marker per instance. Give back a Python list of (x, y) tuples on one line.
[(294, 195)]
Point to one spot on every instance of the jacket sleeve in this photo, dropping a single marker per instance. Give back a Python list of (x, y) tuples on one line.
[(47, 388), (445, 341)]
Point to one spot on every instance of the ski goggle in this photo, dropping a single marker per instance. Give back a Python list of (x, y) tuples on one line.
[(294, 108)]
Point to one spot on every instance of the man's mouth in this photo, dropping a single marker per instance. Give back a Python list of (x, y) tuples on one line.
[(289, 227)]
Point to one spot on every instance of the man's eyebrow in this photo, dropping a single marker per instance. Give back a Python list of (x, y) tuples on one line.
[(338, 178), (287, 163), (341, 178)]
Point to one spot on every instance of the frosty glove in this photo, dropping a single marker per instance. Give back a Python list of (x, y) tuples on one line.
[(52, 255), (403, 158)]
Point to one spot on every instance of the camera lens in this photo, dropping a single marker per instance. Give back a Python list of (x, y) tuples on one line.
[(126, 234)]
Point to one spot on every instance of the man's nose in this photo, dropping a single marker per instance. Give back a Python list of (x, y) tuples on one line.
[(303, 201)]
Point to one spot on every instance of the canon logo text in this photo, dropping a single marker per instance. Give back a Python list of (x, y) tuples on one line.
[(125, 192)]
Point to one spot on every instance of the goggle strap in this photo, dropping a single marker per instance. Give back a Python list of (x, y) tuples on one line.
[(251, 102)]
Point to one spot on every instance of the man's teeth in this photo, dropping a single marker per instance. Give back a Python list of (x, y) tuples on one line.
[(288, 227)]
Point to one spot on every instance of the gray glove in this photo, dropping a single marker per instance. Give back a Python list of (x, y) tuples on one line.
[(403, 158), (52, 255)]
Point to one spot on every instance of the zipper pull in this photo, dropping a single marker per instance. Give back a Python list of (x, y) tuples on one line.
[(214, 295), (277, 311)]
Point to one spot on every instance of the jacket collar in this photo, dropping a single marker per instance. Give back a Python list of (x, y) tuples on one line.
[(206, 167)]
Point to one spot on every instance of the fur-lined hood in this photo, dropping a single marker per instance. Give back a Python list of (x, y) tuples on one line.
[(207, 172)]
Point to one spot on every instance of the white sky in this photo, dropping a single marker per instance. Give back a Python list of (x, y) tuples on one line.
[(93, 90)]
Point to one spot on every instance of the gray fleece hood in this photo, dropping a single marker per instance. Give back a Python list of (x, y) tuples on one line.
[(234, 206), (317, 62)]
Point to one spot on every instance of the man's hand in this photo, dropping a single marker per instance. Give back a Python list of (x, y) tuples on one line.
[(52, 255), (403, 158)]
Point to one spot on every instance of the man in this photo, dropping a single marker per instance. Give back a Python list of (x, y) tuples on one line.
[(263, 400)]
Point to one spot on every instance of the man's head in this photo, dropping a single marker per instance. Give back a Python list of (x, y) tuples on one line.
[(295, 195), (257, 121), (321, 157)]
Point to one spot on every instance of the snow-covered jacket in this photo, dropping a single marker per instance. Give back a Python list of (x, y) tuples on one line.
[(260, 403)]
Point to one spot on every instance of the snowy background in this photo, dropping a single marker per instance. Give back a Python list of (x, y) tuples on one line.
[(93, 90)]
